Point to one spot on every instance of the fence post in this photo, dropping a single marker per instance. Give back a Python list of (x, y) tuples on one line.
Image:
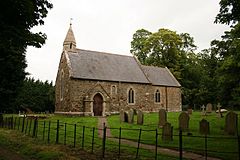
[(93, 138), (44, 125), (74, 140), (205, 146), (180, 144), (6, 123), (119, 142), (83, 136), (139, 140), (18, 123), (238, 146), (34, 128), (23, 124), (49, 128), (65, 133), (30, 126), (57, 134), (12, 122), (156, 146), (26, 126), (15, 122), (104, 141)]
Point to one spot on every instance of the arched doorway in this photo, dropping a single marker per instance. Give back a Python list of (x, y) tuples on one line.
[(98, 104)]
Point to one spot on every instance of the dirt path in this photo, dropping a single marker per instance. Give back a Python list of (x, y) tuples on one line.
[(6, 154), (188, 155)]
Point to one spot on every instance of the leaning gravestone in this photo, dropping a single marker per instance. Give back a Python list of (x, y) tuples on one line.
[(139, 117), (204, 127), (122, 117), (209, 108), (183, 121), (162, 117), (125, 117), (167, 132), (131, 116), (231, 123)]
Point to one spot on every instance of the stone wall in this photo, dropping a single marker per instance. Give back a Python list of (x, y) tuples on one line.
[(78, 95)]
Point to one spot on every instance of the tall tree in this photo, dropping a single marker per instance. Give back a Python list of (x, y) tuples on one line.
[(17, 17), (228, 51)]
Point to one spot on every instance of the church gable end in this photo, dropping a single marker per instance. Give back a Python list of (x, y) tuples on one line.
[(100, 84)]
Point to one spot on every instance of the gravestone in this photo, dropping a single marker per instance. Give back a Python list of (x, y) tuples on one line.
[(231, 121), (209, 108), (219, 110), (204, 127), (131, 116), (122, 116), (139, 117), (167, 132), (183, 121), (125, 117), (203, 110), (162, 117)]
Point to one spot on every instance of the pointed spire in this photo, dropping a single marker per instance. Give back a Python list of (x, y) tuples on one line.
[(69, 42)]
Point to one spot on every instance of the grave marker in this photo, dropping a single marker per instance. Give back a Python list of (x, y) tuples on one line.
[(122, 116), (204, 127), (139, 117), (162, 117), (183, 120), (131, 116), (167, 132), (231, 125), (209, 108)]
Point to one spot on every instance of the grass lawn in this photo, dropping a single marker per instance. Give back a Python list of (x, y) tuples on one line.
[(218, 144)]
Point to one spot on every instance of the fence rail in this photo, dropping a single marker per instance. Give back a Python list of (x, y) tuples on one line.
[(96, 140)]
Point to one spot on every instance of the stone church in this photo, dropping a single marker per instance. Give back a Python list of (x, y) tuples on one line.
[(99, 84)]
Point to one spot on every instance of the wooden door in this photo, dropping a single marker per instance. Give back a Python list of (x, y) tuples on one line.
[(97, 105)]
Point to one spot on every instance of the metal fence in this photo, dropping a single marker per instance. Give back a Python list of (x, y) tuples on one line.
[(96, 140)]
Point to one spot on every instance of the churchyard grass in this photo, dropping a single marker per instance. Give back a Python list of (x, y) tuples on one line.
[(89, 123), (218, 143)]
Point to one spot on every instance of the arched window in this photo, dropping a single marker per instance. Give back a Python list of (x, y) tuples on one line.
[(70, 45), (157, 96), (61, 85), (131, 96)]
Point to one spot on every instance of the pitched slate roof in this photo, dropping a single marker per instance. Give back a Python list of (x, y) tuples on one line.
[(93, 65), (160, 76)]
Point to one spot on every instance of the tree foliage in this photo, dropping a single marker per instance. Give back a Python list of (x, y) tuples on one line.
[(37, 96), (17, 17)]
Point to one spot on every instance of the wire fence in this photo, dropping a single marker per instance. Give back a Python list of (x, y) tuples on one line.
[(97, 140)]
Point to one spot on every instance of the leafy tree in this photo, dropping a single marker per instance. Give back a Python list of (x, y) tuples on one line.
[(227, 50), (17, 17), (37, 96)]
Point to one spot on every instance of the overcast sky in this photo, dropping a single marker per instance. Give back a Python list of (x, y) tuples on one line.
[(108, 25)]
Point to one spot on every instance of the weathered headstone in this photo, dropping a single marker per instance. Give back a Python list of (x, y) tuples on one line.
[(204, 127), (219, 110), (131, 116), (122, 118), (139, 117), (231, 123), (209, 108), (203, 110), (167, 132), (162, 117), (125, 117), (183, 121)]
